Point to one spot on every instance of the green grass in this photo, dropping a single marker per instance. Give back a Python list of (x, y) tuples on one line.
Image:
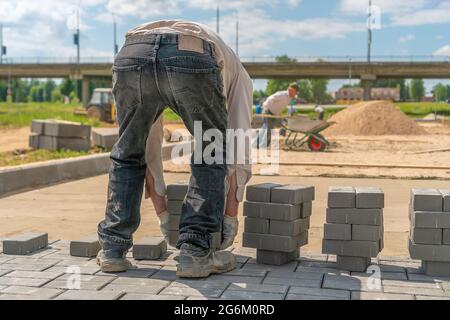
[(30, 156), (21, 114), (421, 109)]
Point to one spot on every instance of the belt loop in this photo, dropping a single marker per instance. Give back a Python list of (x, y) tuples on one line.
[(156, 48)]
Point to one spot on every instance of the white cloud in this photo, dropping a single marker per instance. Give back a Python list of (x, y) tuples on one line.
[(434, 15), (359, 7), (407, 38), (444, 51), (293, 3)]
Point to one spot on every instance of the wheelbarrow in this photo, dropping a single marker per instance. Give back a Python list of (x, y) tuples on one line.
[(299, 130)]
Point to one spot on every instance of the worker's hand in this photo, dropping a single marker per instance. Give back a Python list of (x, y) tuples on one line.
[(230, 228)]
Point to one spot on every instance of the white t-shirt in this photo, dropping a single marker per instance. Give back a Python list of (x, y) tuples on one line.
[(277, 102)]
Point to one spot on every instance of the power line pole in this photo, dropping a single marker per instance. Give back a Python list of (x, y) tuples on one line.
[(116, 47), (369, 33), (2, 47), (218, 18), (237, 33)]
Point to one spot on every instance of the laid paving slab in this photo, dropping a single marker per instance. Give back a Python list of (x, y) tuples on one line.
[(154, 289), (139, 296), (306, 297), (385, 275), (361, 295), (74, 268), (250, 295), (89, 295), (414, 290), (415, 284), (222, 278), (427, 278), (336, 294), (186, 291), (300, 282), (353, 283), (26, 282), (268, 288), (420, 297), (41, 293), (34, 274)]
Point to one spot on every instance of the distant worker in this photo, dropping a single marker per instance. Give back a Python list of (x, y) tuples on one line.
[(274, 106), (320, 111)]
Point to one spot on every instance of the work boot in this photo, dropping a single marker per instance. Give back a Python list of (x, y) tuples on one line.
[(113, 264), (195, 262)]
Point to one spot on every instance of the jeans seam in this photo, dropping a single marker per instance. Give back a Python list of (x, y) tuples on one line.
[(115, 239)]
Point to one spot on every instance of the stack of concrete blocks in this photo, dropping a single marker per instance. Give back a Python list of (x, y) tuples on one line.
[(354, 226), (277, 220), (56, 135), (175, 196), (25, 243), (105, 138), (429, 241)]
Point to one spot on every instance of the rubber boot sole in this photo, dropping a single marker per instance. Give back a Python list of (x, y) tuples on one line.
[(204, 273)]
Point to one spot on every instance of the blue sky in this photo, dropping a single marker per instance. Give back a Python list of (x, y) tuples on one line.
[(267, 27)]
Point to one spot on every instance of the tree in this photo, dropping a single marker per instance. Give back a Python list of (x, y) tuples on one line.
[(440, 92), (279, 85), (67, 87), (305, 90), (417, 89), (319, 90)]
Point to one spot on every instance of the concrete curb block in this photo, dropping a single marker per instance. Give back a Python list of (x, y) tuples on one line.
[(41, 174)]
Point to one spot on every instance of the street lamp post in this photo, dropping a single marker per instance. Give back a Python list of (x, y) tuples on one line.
[(116, 47), (369, 31), (2, 47)]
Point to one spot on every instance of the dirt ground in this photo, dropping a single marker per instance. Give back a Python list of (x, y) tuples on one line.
[(12, 139)]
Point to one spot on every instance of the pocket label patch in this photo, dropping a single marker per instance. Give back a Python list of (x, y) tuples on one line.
[(190, 43)]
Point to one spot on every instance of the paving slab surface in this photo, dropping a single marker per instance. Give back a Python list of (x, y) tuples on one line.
[(313, 276)]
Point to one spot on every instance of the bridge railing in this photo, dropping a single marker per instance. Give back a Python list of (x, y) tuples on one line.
[(349, 59)]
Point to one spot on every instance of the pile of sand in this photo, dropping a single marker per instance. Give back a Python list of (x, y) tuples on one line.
[(373, 118)]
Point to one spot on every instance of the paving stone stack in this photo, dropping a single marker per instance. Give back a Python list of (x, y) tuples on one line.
[(56, 135), (354, 226), (429, 241), (175, 196), (277, 220), (105, 137)]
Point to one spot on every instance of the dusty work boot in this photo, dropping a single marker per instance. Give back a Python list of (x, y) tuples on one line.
[(195, 262), (113, 264)]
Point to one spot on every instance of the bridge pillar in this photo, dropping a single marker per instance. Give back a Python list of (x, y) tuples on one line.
[(367, 83), (85, 91)]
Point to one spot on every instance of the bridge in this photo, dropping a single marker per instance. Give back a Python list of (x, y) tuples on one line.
[(432, 67)]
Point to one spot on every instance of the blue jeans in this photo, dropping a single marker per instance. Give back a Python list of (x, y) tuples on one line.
[(263, 139), (149, 74)]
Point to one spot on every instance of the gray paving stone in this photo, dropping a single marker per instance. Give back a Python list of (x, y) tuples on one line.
[(90, 295), (276, 211), (367, 233), (331, 269), (360, 295), (371, 217), (446, 236), (337, 231), (250, 295), (306, 297), (429, 252), (312, 283), (273, 242), (351, 248), (248, 272), (446, 199), (68, 284), (34, 274), (352, 263), (226, 279), (409, 283), (385, 275), (369, 198), (260, 192), (426, 236), (187, 291), (149, 248), (306, 209), (174, 207), (138, 296), (174, 222), (429, 219), (177, 191), (58, 143), (352, 283), (66, 129), (85, 247), (25, 243), (37, 127), (142, 272), (414, 290), (41, 293), (134, 288), (419, 297), (166, 273), (436, 268), (4, 259), (70, 269), (421, 277), (268, 288), (173, 238), (26, 282), (317, 276), (255, 225), (341, 197), (253, 267), (275, 257), (426, 199), (330, 293), (105, 137), (292, 194), (25, 267), (289, 228)]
